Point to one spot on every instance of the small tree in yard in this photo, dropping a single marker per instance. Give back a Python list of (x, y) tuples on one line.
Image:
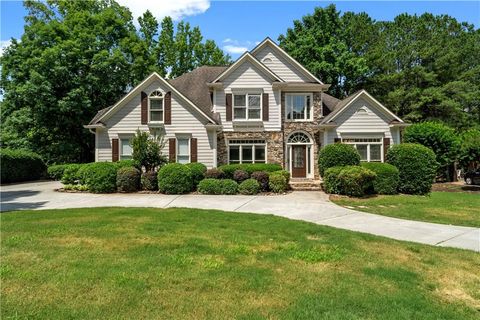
[(469, 156), (147, 150)]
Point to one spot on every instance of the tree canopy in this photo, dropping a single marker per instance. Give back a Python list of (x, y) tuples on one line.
[(76, 57)]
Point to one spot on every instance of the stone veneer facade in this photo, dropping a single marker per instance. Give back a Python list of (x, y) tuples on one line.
[(276, 140)]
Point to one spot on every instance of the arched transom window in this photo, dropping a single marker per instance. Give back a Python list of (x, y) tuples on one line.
[(156, 106), (299, 138)]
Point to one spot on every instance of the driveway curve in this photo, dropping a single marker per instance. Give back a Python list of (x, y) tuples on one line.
[(311, 206)]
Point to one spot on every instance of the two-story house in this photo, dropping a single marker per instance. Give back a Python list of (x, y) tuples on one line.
[(264, 108)]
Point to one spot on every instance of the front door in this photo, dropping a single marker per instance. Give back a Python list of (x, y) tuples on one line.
[(299, 163)]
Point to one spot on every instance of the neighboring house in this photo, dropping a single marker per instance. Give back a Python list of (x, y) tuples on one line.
[(264, 108)]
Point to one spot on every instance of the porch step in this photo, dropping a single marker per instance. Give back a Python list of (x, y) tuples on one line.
[(303, 184)]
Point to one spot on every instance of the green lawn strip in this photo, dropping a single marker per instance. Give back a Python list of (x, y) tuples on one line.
[(455, 208), (124, 263)]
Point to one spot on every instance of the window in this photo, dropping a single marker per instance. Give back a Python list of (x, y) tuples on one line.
[(298, 107), (156, 106), (247, 151), (125, 149), (247, 106), (370, 149), (183, 150)]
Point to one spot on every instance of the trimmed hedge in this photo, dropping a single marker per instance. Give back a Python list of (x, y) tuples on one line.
[(416, 165), (387, 178), (331, 182), (128, 179), (100, 177), (277, 183), (249, 186), (229, 169), (149, 181), (349, 180), (55, 171), (240, 175), (283, 173), (198, 172), (217, 186), (70, 173), (126, 163), (262, 178), (21, 165), (175, 178), (214, 173), (337, 155)]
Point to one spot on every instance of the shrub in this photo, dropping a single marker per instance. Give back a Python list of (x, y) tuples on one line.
[(416, 165), (21, 165), (127, 163), (331, 181), (240, 175), (229, 169), (386, 181), (70, 173), (356, 181), (262, 179), (469, 155), (147, 150), (149, 181), (214, 173), (217, 186), (128, 179), (277, 183), (175, 178), (55, 171), (337, 155), (439, 137), (249, 186), (283, 173), (100, 177), (198, 172), (76, 187)]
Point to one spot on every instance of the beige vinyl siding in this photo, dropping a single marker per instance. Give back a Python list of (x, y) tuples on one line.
[(368, 124), (185, 120), (280, 65), (244, 77)]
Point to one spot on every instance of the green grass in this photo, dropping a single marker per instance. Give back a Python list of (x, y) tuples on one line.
[(456, 208), (135, 263)]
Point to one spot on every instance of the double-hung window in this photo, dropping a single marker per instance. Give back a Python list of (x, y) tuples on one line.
[(183, 150), (247, 151), (125, 149), (155, 101), (298, 107), (370, 149), (247, 106)]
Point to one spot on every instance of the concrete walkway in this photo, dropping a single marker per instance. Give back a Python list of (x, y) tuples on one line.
[(307, 206)]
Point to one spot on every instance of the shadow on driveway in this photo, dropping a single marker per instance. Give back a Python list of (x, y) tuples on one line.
[(8, 200)]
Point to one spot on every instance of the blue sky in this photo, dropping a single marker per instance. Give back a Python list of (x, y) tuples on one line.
[(237, 26)]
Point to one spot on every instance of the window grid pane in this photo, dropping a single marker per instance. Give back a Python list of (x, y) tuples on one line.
[(362, 150), (375, 152)]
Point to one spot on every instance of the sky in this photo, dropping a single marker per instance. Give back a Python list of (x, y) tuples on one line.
[(237, 26)]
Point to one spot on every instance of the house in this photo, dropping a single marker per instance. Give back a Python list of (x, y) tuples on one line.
[(265, 107)]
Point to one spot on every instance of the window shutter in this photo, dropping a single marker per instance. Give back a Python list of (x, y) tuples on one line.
[(265, 111), (337, 140), (193, 150), (144, 111), (228, 104), (386, 145), (168, 108), (114, 150), (172, 157)]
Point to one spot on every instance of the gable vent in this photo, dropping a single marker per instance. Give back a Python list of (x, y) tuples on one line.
[(267, 60)]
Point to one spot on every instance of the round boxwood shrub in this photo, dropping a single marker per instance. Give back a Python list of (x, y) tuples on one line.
[(198, 172), (337, 154), (217, 186), (21, 165), (249, 186), (416, 165), (240, 175), (128, 179), (331, 183), (214, 173), (175, 178), (262, 179), (149, 181), (277, 183), (100, 177), (55, 171), (356, 181), (70, 173), (386, 181), (229, 169)]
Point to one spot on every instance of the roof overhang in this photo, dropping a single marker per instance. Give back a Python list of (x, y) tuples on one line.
[(212, 126), (94, 126), (216, 85), (300, 86), (325, 126), (399, 125)]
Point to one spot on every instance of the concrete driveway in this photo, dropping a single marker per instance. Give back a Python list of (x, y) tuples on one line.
[(307, 206)]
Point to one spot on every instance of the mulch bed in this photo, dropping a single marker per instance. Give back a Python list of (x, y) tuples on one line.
[(455, 187)]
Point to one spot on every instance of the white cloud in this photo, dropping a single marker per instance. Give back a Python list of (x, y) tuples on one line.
[(4, 44), (234, 49), (176, 9)]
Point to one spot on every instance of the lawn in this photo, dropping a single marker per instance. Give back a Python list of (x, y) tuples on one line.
[(135, 263), (458, 208)]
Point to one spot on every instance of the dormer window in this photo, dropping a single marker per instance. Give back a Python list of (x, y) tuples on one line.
[(155, 102)]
